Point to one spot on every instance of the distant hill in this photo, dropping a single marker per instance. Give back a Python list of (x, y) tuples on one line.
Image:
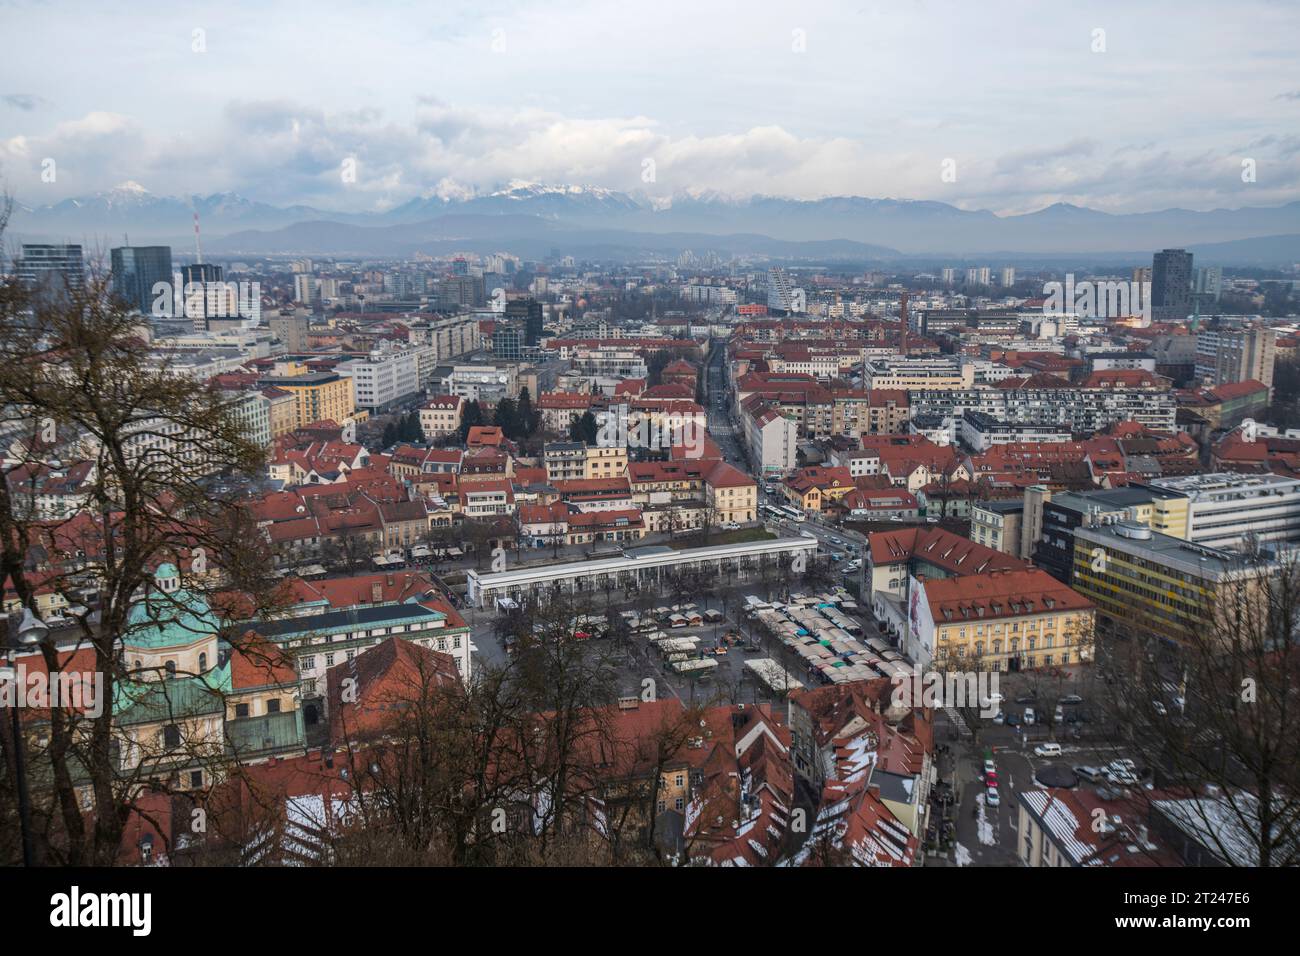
[(526, 212)]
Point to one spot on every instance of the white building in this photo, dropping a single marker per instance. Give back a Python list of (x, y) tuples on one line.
[(1226, 510), (383, 380)]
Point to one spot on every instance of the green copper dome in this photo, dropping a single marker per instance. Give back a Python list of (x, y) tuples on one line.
[(169, 615)]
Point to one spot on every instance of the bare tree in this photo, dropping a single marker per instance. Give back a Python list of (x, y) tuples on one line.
[(1209, 703), (79, 383)]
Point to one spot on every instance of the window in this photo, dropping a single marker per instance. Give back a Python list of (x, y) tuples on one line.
[(171, 736), (679, 804), (307, 663), (273, 705), (241, 710), (196, 778), (171, 669), (680, 780), (329, 660)]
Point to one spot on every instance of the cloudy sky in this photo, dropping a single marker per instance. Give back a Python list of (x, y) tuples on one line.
[(801, 99)]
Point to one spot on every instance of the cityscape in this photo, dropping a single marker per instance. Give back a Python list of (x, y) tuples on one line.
[(558, 488)]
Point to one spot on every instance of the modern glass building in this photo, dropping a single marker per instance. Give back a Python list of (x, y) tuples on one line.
[(136, 271)]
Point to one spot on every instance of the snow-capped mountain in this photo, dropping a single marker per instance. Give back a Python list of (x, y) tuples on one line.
[(911, 226)]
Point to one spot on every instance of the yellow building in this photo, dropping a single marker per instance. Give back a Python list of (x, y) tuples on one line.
[(319, 396), (1156, 582), (1000, 620), (605, 462), (283, 410)]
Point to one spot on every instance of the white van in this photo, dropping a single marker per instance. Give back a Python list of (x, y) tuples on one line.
[(1047, 750)]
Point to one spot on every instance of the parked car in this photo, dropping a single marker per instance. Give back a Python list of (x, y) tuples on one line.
[(730, 526), (1123, 778), (999, 718), (1159, 708), (989, 767), (991, 797), (1071, 699), (1091, 774), (1013, 721), (1047, 750), (991, 778), (1030, 716), (1058, 715), (1026, 698)]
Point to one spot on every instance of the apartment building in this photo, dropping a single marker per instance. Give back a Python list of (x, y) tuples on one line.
[(996, 525), (1224, 356), (320, 396), (771, 437), (1110, 398), (917, 373), (383, 380), (441, 415)]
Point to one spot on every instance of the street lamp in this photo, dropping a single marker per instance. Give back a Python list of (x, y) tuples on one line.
[(26, 632)]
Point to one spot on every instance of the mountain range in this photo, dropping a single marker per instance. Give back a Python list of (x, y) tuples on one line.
[(531, 219)]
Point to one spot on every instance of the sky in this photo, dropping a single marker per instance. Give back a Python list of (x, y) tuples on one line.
[(1001, 105)]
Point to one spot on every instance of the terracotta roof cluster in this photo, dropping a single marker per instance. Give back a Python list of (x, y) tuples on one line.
[(947, 551)]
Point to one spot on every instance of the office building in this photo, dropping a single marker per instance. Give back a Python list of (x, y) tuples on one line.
[(1171, 285), (143, 278), (527, 312), (1154, 583), (51, 270), (1225, 356)]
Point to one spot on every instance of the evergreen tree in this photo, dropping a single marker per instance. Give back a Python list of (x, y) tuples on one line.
[(584, 429), (473, 416), (507, 418), (526, 413)]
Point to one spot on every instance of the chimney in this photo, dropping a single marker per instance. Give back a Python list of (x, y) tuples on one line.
[(376, 592)]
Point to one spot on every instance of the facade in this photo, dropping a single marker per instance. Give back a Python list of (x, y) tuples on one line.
[(321, 641), (382, 381), (564, 460), (320, 396), (996, 525), (772, 440), (137, 270), (1140, 578), (1000, 620), (917, 373), (51, 270), (441, 415), (1171, 285), (1229, 510), (1081, 408), (980, 432), (1225, 356)]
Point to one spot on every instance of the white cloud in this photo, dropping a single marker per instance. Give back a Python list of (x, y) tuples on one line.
[(884, 93)]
